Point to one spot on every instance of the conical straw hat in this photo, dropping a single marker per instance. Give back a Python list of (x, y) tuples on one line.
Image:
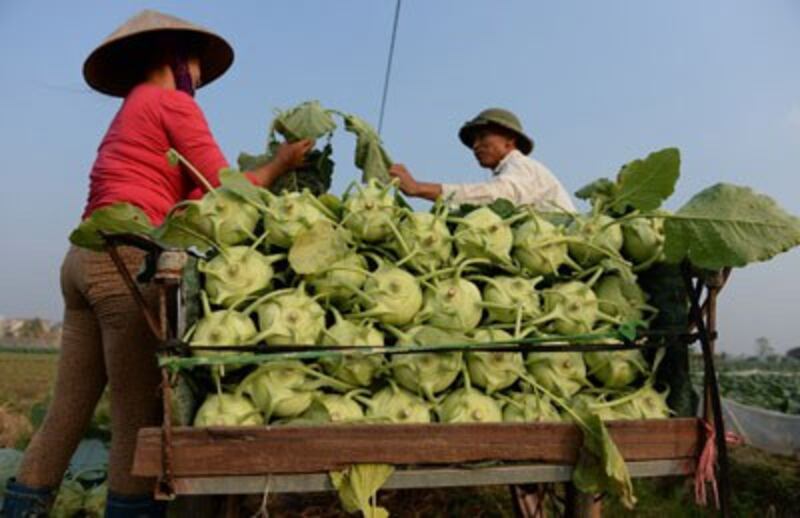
[(116, 65)]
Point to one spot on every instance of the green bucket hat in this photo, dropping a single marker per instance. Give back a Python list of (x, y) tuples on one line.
[(497, 117)]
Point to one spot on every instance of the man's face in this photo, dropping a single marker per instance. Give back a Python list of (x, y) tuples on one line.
[(491, 145)]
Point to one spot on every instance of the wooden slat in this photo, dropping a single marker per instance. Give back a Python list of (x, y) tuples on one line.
[(253, 451), (414, 478)]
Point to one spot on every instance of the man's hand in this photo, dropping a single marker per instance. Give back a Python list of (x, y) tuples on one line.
[(411, 187), (407, 183), (292, 155)]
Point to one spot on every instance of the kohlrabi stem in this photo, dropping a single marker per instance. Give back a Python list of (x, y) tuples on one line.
[(173, 156), (249, 309)]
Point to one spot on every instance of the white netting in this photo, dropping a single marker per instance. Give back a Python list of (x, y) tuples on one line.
[(764, 429)]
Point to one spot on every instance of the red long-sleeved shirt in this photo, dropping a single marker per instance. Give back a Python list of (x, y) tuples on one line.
[(131, 164)]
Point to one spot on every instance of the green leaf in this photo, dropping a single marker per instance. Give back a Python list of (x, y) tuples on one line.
[(728, 225), (358, 487), (371, 157), (600, 189), (308, 120), (600, 466), (238, 184), (645, 184), (178, 231), (117, 218), (501, 206)]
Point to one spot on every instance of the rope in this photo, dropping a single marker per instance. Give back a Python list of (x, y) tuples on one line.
[(389, 66)]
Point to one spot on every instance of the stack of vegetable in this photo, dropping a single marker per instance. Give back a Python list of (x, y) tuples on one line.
[(365, 273)]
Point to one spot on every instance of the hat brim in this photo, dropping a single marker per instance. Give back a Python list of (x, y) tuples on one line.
[(111, 68), (467, 135)]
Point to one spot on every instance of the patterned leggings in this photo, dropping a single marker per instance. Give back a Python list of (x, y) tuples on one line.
[(105, 341)]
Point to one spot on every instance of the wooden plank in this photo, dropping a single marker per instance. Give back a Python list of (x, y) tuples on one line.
[(415, 478), (255, 451)]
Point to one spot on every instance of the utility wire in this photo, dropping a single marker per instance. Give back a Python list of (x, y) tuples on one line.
[(389, 66)]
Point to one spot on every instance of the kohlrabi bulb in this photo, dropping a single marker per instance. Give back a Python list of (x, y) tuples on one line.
[(290, 214), (428, 243), (396, 405), (392, 296), (571, 308), (616, 369), (468, 405), (493, 370), (358, 370), (539, 246), (290, 318), (227, 410), (485, 235), (643, 239), (452, 303), (427, 373), (560, 373), (507, 298), (526, 407), (225, 217), (619, 298), (235, 274), (370, 212), (333, 408), (280, 388), (339, 282), (593, 239)]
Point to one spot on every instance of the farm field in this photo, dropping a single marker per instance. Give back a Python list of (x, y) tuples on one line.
[(761, 482)]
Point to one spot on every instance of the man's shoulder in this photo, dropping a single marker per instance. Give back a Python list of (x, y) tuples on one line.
[(519, 161)]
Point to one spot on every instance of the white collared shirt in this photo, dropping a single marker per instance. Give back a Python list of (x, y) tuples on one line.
[(518, 178)]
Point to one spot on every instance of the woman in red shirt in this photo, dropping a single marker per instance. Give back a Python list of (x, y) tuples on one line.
[(155, 62)]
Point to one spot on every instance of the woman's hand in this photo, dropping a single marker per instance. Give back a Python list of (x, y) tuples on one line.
[(292, 155), (288, 157)]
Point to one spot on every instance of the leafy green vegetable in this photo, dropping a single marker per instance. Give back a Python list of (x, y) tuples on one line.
[(600, 466), (358, 486), (371, 157), (116, 218), (727, 225), (645, 184), (600, 189), (308, 120)]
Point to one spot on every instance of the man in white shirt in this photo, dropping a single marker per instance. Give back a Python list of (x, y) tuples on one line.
[(499, 143)]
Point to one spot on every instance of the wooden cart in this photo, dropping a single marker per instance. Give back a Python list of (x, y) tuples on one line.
[(247, 460)]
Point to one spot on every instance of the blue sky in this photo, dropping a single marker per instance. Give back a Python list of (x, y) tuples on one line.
[(595, 83)]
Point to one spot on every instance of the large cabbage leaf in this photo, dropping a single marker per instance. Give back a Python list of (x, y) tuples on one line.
[(600, 466), (308, 120), (645, 184), (116, 218), (358, 487), (728, 225), (371, 157)]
